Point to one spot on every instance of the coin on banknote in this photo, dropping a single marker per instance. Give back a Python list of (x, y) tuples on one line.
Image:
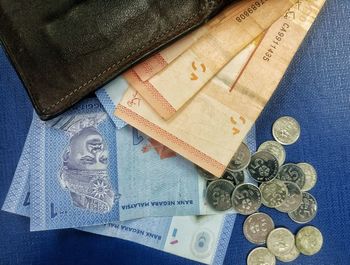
[(273, 193), (261, 256), (309, 240), (293, 199), (219, 194), (286, 130), (205, 174), (292, 255), (240, 160), (263, 166), (246, 198), (306, 211), (280, 241), (257, 227), (235, 177), (293, 173), (274, 148), (310, 176)]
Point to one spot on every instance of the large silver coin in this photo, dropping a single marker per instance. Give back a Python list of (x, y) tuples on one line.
[(280, 241), (306, 211), (219, 194), (261, 256), (273, 193), (293, 173), (286, 130), (310, 176), (235, 177), (293, 200), (274, 148), (240, 160), (205, 174), (292, 255), (257, 227), (309, 240), (263, 166), (246, 198)]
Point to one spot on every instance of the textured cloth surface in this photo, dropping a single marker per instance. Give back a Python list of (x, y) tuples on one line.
[(316, 91)]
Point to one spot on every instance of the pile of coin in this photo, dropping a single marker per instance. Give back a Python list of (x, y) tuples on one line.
[(282, 186)]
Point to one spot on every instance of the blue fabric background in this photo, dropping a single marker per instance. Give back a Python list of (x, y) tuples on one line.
[(316, 91)]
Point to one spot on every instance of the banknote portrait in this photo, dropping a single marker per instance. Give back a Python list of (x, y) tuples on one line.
[(84, 166)]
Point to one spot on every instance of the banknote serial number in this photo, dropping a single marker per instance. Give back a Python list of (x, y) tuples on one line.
[(250, 10), (276, 41)]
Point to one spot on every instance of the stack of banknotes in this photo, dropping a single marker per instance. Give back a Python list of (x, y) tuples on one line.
[(128, 163)]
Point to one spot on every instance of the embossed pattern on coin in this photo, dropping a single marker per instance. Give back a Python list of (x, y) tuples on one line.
[(275, 149), (286, 130), (246, 199), (293, 200), (310, 176), (240, 160), (293, 173), (235, 177), (261, 256), (219, 194), (273, 193), (280, 241), (263, 166), (306, 211), (205, 174), (257, 226), (292, 255), (309, 240)]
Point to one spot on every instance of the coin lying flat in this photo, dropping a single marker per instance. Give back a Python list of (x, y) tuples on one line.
[(309, 240), (240, 160), (273, 193), (286, 130), (293, 199), (257, 227), (293, 173), (261, 256), (246, 199), (235, 177), (275, 149), (205, 174), (263, 166), (306, 211), (310, 176), (280, 241), (219, 194), (292, 255)]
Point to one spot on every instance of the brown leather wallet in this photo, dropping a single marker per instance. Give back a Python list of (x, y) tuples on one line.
[(65, 49)]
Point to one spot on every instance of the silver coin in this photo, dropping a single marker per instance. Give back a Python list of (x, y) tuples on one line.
[(275, 149), (235, 177), (293, 200), (261, 256), (292, 255), (219, 194), (293, 173), (309, 240), (205, 174), (280, 241), (263, 166), (273, 193), (306, 211), (240, 160), (257, 227), (310, 176), (246, 198), (286, 130)]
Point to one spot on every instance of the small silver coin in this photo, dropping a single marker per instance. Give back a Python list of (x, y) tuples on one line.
[(280, 241), (310, 176), (309, 240), (273, 193), (240, 160), (261, 256), (293, 173), (205, 174), (306, 211), (263, 166), (289, 257), (235, 177), (293, 200), (257, 227), (246, 198), (275, 149), (286, 130), (219, 194)]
